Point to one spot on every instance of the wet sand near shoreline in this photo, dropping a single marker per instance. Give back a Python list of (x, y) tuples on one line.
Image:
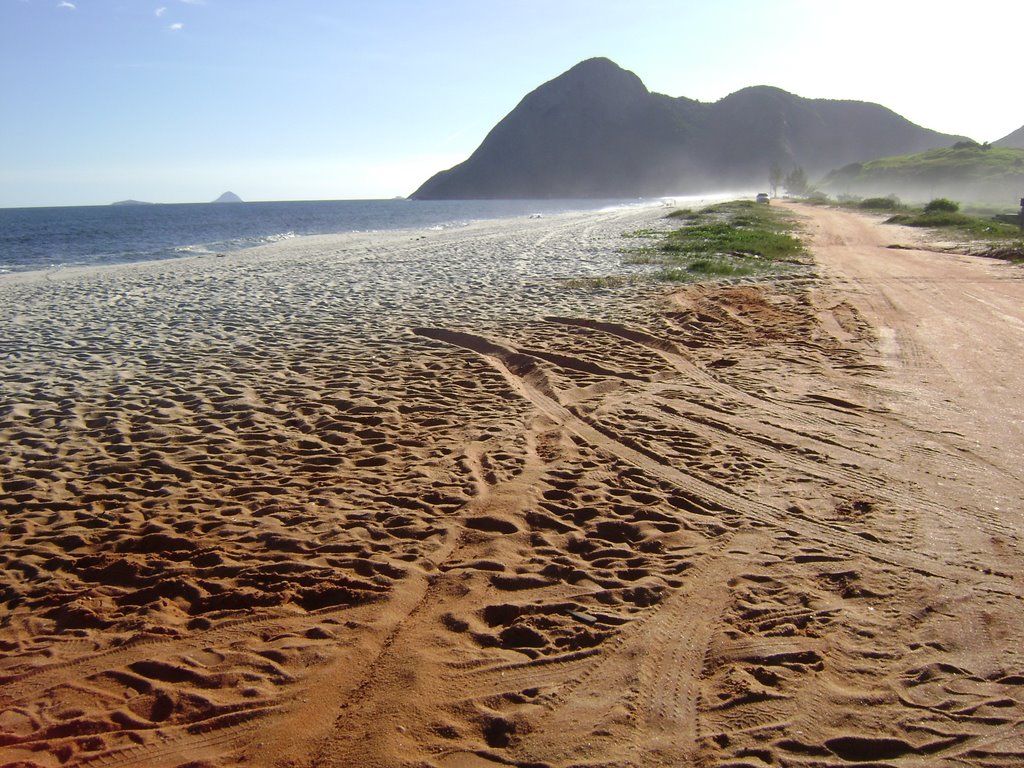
[(412, 498)]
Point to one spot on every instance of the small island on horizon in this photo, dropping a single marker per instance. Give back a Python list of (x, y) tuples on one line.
[(227, 197)]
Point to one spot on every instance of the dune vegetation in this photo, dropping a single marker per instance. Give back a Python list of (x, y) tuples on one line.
[(731, 239)]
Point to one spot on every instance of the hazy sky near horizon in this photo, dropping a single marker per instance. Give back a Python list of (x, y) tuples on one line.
[(180, 100)]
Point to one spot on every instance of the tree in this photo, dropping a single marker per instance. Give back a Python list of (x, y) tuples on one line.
[(774, 178), (796, 181)]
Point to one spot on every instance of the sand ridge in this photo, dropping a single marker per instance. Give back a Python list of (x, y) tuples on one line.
[(413, 499)]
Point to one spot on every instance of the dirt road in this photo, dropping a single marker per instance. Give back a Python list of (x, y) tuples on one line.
[(951, 329), (466, 518)]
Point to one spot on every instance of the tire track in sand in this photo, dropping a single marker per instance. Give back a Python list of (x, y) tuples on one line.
[(528, 377)]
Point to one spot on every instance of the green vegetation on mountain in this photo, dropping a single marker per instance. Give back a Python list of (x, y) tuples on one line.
[(964, 171)]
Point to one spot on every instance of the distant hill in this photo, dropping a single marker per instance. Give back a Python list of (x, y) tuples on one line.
[(228, 197), (596, 131), (1014, 140), (131, 202), (966, 171)]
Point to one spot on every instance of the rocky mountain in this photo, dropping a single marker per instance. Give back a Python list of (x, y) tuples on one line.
[(228, 197), (1014, 140), (596, 131)]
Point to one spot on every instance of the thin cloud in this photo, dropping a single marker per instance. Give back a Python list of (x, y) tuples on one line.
[(66, 4), (176, 27), (160, 11)]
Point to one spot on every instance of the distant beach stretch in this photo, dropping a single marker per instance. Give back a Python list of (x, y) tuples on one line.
[(450, 496)]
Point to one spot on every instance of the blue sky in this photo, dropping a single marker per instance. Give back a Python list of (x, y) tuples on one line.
[(180, 100)]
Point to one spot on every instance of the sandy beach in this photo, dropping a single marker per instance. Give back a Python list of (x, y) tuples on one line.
[(422, 498)]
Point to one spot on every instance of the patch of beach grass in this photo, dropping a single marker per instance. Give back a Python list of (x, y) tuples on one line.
[(727, 240), (653, 234), (707, 269), (959, 224), (722, 238), (598, 282), (985, 234)]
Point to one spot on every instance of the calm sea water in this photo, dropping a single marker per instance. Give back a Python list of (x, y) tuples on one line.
[(46, 238)]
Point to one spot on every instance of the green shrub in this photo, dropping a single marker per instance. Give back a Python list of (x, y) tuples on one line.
[(942, 204), (891, 203), (942, 219)]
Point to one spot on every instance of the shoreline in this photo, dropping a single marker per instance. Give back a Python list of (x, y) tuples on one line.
[(466, 213)]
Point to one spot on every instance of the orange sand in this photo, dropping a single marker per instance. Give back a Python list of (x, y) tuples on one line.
[(413, 499)]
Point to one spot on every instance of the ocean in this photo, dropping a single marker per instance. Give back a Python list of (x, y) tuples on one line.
[(51, 238)]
